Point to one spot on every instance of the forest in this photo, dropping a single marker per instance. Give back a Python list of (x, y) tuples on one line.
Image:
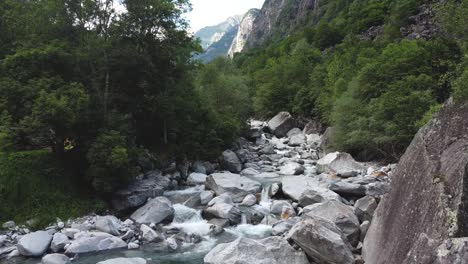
[(91, 96)]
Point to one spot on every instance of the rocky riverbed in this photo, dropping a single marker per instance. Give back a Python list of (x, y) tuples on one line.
[(276, 197)]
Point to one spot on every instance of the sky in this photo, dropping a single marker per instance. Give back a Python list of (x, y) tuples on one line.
[(212, 12)]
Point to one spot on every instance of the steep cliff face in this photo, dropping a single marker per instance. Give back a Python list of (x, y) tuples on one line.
[(212, 34), (243, 33), (278, 18), (428, 201)]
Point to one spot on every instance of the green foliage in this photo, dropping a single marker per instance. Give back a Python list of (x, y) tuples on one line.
[(37, 185), (460, 87), (110, 161)]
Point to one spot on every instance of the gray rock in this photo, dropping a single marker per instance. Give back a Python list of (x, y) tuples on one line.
[(277, 207), (317, 195), (223, 198), (138, 192), (249, 200), (377, 189), (272, 250), (295, 186), (199, 167), (55, 259), (156, 210), (292, 168), (231, 162), (348, 189), (196, 178), (340, 163), (453, 251), (238, 186), (249, 172), (364, 228), (34, 244), (293, 132), (206, 197), (341, 215), (364, 208), (313, 127), (321, 240), (58, 242), (297, 140), (124, 261), (219, 222), (283, 226), (133, 245), (244, 155), (326, 141), (225, 211), (172, 243), (9, 225), (87, 242), (109, 224), (70, 232), (149, 235), (281, 124)]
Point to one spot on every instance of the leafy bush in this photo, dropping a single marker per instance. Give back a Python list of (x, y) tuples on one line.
[(36, 185)]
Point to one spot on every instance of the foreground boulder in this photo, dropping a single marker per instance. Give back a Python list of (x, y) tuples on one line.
[(223, 211), (34, 244), (317, 195), (281, 124), (234, 184), (340, 163), (155, 211), (295, 186), (124, 261), (109, 224), (272, 250), (428, 195), (342, 215), (87, 242), (231, 162), (55, 259), (321, 240)]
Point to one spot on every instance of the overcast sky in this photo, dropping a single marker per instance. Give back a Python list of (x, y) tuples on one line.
[(212, 12)]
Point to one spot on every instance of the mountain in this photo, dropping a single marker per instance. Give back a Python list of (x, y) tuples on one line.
[(245, 28), (227, 38), (278, 18), (211, 34)]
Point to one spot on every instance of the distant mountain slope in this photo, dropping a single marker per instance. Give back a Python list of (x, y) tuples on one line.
[(212, 34), (227, 38), (245, 28)]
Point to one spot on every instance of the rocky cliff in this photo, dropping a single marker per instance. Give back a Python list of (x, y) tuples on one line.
[(428, 200), (243, 32), (278, 18), (212, 34)]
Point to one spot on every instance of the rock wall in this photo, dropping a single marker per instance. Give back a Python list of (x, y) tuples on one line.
[(428, 199), (245, 28)]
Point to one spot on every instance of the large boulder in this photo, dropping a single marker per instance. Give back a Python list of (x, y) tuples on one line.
[(281, 124), (342, 215), (295, 186), (59, 241), (340, 163), (34, 244), (272, 250), (297, 140), (196, 178), (292, 168), (326, 141), (347, 189), (155, 211), (149, 235), (140, 190), (230, 161), (317, 195), (124, 261), (109, 224), (321, 240), (55, 259), (234, 184), (87, 242), (224, 211), (364, 208), (428, 193), (278, 205)]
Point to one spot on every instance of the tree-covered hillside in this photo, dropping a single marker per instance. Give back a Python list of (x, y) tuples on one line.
[(374, 70)]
